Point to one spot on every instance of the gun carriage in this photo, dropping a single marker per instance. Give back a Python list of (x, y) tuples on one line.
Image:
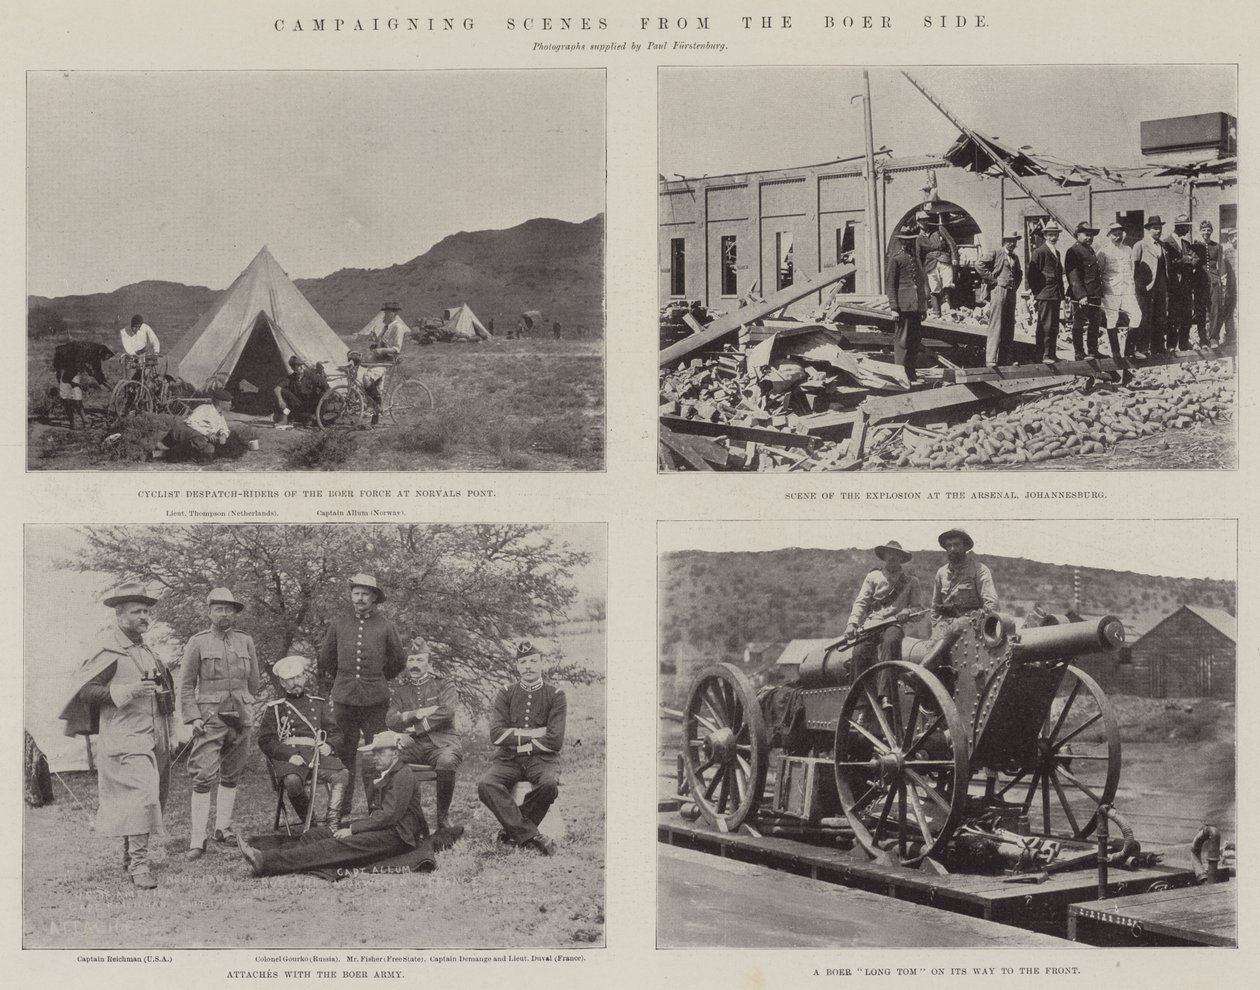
[(984, 728)]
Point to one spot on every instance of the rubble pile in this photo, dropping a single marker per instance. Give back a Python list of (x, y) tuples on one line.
[(1066, 422)]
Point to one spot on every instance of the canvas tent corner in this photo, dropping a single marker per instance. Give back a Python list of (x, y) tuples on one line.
[(244, 341)]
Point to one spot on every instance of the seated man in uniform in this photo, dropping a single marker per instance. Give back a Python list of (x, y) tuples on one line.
[(395, 825), (887, 592), (527, 728), (422, 711), (292, 728), (963, 586)]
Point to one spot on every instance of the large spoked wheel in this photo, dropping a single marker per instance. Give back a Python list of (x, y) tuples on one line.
[(127, 399), (901, 768), (341, 406), (1077, 766), (725, 746), (409, 401)]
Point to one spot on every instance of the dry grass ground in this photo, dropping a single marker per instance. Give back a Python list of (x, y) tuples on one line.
[(510, 405), (482, 895)]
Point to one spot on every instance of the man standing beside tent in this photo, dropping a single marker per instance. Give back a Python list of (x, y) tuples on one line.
[(124, 694)]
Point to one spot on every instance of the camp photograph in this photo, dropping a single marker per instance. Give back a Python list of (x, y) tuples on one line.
[(948, 268), (314, 736), (306, 270), (964, 734)]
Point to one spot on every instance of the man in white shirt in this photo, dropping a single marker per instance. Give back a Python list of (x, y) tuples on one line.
[(888, 592), (388, 345), (1119, 299), (139, 338), (203, 430)]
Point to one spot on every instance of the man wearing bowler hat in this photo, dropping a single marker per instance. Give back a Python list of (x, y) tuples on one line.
[(527, 723), (1002, 273), (1183, 274), (1119, 306), (1150, 280), (1084, 278), (963, 586), (218, 681), (906, 285), (1045, 282), (362, 648), (124, 695), (394, 827), (887, 592)]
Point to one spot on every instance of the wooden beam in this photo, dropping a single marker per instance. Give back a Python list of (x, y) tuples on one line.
[(887, 409), (1093, 367), (731, 322), (757, 434), (695, 452)]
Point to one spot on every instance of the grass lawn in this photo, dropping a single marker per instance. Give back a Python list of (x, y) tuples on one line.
[(508, 405), (482, 895)]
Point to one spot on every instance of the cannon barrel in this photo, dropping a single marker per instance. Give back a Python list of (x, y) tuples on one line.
[(1061, 640)]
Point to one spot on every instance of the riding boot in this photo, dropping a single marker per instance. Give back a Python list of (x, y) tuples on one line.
[(332, 816), (445, 791)]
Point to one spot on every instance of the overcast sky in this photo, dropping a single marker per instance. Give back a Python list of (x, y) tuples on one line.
[(183, 176), (719, 120), (1181, 548)]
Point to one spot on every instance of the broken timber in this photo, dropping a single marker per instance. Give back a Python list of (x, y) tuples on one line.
[(757, 434), (943, 330), (695, 452), (887, 409), (1090, 367), (731, 322)]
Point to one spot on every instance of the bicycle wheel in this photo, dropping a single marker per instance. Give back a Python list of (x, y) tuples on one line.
[(127, 399), (408, 401), (341, 406)]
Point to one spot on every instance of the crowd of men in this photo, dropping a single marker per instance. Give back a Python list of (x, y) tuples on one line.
[(1155, 290), (388, 711)]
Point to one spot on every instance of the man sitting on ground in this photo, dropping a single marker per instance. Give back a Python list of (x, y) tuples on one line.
[(394, 827), (205, 429), (299, 395)]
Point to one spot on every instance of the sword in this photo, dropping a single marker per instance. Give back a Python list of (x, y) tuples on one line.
[(320, 736)]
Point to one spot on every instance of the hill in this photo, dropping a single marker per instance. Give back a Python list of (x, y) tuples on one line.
[(549, 265), (712, 604)]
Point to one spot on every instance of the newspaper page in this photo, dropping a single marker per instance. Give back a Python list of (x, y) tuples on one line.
[(385, 613)]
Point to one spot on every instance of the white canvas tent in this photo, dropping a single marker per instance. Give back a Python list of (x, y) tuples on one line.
[(377, 323), (462, 324), (251, 331)]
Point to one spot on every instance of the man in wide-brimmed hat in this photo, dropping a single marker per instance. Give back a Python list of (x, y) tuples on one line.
[(1002, 273), (123, 694), (395, 826), (1085, 286), (422, 711), (527, 722), (387, 345), (887, 593), (906, 285), (364, 651), (963, 586), (1045, 282), (218, 681), (1150, 280)]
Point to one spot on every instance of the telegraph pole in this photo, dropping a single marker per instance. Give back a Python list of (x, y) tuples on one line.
[(872, 201)]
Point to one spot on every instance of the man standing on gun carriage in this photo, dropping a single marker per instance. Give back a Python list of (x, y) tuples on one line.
[(422, 712), (218, 682), (887, 592), (963, 586), (365, 652), (295, 727), (124, 695)]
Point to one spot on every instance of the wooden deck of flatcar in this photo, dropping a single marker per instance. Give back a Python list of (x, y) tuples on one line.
[(1205, 915)]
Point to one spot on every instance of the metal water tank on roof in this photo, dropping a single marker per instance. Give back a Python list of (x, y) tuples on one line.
[(1209, 134)]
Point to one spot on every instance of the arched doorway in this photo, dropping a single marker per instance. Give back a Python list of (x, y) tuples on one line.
[(967, 235)]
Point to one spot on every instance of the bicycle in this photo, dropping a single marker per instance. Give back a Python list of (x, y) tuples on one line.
[(153, 391), (347, 403)]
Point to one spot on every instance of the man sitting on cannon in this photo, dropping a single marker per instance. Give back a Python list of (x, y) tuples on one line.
[(963, 586), (887, 593)]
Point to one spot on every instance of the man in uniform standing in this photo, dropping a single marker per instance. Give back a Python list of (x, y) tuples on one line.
[(1045, 282), (123, 694), (218, 681), (422, 711), (938, 252), (887, 592), (527, 723), (395, 825), (293, 728), (906, 285), (364, 651), (1084, 278), (1216, 275), (963, 586), (1002, 273)]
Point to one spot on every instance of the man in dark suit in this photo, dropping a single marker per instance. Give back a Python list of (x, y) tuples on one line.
[(1002, 273), (1084, 277), (1045, 281), (1182, 275), (906, 285), (1150, 280)]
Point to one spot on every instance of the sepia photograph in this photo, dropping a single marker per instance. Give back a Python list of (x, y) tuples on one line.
[(947, 268), (322, 736), (303, 270), (919, 734)]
